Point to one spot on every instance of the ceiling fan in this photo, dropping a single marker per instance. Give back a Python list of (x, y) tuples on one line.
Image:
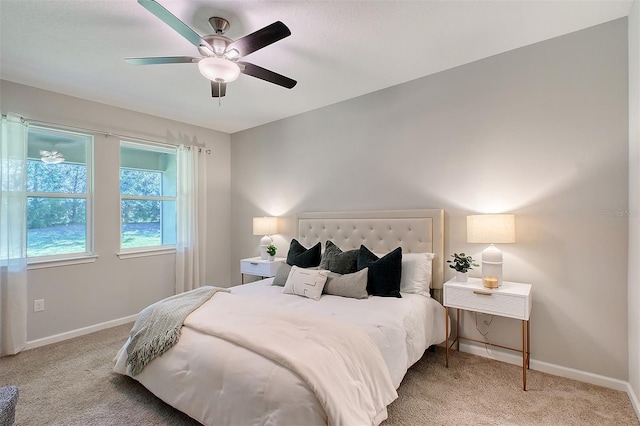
[(218, 60), (51, 157)]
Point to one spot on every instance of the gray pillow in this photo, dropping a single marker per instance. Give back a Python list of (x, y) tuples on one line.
[(336, 260), (281, 275), (348, 285)]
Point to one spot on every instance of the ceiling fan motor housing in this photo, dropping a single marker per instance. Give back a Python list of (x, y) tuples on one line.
[(219, 44)]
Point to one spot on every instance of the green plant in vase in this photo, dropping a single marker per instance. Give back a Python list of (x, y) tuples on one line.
[(271, 251), (462, 264)]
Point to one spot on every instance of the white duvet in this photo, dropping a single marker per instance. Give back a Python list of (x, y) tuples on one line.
[(217, 381)]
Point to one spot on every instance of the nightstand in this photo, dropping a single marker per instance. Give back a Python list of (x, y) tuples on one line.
[(510, 300), (260, 267)]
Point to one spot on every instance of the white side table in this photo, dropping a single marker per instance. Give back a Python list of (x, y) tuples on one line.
[(260, 267), (510, 300)]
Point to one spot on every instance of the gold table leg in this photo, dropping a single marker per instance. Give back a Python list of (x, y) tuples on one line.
[(446, 339), (458, 329), (528, 344), (525, 352)]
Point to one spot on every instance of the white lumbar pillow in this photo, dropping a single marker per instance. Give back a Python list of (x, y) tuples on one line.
[(306, 282)]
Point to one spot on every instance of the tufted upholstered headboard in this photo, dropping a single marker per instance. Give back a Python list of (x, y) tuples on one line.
[(416, 231)]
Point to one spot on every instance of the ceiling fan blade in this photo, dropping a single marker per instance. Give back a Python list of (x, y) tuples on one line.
[(162, 60), (175, 23), (267, 75), (218, 91), (259, 39)]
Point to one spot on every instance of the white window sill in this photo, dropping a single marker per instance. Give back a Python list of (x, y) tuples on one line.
[(133, 253), (54, 263)]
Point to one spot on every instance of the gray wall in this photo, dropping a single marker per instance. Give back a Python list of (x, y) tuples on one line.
[(78, 296), (634, 199), (540, 131)]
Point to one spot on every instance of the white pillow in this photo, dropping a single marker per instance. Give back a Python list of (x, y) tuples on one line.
[(416, 273), (306, 282)]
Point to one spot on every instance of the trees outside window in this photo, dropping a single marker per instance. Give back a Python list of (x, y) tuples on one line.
[(59, 192), (147, 195)]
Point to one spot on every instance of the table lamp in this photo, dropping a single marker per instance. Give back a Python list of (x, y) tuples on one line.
[(491, 229), (265, 226)]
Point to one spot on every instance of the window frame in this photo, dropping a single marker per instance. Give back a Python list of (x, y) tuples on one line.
[(35, 262), (141, 251)]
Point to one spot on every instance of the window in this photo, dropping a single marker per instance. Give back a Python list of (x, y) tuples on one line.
[(147, 195), (59, 188)]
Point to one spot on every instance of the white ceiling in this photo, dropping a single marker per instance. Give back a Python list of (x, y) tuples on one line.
[(338, 49)]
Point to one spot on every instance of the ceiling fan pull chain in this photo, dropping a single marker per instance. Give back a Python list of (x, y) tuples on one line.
[(219, 97)]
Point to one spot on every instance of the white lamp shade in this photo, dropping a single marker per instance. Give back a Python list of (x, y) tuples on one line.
[(491, 228), (265, 225), (219, 69)]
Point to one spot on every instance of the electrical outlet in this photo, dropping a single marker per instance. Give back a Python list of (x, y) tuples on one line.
[(38, 305)]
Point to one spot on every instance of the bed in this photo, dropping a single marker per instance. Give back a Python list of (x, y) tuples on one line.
[(258, 355)]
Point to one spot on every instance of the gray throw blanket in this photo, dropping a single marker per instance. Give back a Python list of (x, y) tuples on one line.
[(158, 326)]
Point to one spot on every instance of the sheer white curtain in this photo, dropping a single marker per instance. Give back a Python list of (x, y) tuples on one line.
[(191, 236), (13, 236)]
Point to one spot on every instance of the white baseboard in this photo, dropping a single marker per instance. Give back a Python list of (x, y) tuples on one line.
[(545, 367), (78, 332), (557, 370), (634, 399)]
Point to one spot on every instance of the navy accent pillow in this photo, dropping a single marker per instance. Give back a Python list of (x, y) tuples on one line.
[(302, 257), (384, 273), (338, 261)]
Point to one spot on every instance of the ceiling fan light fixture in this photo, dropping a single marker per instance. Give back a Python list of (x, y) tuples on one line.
[(51, 157), (219, 69), (232, 54), (52, 160), (205, 50)]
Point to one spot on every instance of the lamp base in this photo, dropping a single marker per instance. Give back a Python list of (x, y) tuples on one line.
[(492, 267), (264, 242), (490, 282)]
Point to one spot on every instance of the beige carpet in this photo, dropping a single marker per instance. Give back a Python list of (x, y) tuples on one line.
[(71, 383)]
